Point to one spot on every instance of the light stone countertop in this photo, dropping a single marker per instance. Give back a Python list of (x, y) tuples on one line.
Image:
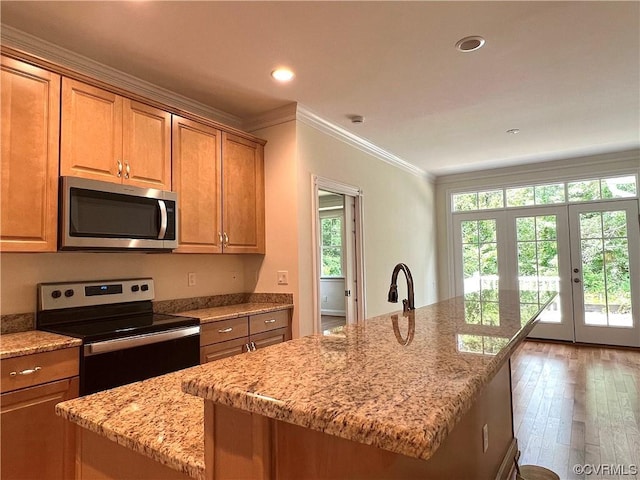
[(34, 341), (153, 417), (215, 314), (381, 383)]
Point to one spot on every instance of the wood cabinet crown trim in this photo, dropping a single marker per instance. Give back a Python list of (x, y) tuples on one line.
[(70, 73)]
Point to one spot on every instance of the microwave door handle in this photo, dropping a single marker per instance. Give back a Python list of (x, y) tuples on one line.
[(163, 219)]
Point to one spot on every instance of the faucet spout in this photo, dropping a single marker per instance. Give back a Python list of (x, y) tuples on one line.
[(407, 304)]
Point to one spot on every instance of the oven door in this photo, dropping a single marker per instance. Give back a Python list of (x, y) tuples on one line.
[(101, 215), (112, 363)]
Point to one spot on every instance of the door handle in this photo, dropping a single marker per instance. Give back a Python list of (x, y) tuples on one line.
[(163, 219)]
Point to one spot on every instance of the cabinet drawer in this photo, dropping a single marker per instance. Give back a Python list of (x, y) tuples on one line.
[(38, 368), (216, 351), (268, 321), (224, 330)]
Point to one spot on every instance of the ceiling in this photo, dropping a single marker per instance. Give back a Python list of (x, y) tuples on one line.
[(567, 74)]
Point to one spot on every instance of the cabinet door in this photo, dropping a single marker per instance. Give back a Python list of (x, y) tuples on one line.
[(273, 337), (217, 351), (243, 195), (30, 136), (36, 443), (91, 142), (146, 146), (196, 179)]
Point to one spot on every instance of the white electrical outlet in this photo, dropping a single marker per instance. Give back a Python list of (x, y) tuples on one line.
[(485, 438), (283, 277), (191, 279)]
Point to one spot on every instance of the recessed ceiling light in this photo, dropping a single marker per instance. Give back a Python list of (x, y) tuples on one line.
[(470, 44), (513, 131), (282, 74)]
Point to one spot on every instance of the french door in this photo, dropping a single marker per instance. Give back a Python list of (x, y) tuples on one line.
[(605, 264), (588, 253)]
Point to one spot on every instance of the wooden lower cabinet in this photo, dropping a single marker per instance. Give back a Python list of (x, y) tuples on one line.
[(272, 337), (220, 350), (36, 443), (227, 338)]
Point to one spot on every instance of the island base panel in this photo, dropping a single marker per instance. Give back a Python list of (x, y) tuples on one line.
[(98, 458), (258, 447)]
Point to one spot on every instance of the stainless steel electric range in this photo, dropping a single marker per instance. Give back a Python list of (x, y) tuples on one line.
[(123, 340)]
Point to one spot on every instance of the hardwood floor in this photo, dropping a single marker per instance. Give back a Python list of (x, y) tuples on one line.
[(330, 322), (578, 405)]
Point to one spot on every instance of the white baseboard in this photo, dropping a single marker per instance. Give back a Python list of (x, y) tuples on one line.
[(333, 313)]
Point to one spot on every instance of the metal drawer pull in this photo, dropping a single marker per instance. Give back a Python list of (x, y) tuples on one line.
[(29, 371), (253, 346), (273, 320), (248, 347), (225, 330)]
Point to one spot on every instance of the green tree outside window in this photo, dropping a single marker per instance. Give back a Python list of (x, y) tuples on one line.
[(331, 228)]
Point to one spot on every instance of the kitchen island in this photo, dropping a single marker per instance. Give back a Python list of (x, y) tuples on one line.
[(398, 396)]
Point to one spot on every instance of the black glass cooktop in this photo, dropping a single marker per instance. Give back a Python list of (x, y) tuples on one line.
[(119, 327)]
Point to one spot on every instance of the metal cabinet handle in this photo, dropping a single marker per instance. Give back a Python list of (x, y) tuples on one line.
[(253, 346), (119, 169), (127, 170), (273, 320), (248, 347), (225, 330), (220, 237), (28, 371), (225, 241)]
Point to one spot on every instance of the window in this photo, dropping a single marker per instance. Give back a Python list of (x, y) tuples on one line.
[(331, 246), (546, 194)]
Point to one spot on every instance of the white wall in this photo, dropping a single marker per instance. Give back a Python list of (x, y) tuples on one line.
[(21, 272), (560, 170), (399, 220), (281, 216), (332, 296)]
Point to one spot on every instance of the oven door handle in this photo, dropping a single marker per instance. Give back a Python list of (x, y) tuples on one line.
[(138, 340)]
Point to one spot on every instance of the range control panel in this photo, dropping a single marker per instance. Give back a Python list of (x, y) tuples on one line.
[(53, 296)]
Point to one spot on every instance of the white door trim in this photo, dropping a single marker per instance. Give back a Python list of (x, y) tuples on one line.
[(322, 183)]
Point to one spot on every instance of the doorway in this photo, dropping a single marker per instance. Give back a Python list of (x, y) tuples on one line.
[(588, 253), (338, 265)]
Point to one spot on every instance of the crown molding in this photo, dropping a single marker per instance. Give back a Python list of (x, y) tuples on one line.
[(19, 40), (286, 113), (306, 116)]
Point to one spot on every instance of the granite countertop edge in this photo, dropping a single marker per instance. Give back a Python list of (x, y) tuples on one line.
[(34, 341)]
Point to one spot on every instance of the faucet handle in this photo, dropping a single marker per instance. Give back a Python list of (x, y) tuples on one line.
[(405, 305)]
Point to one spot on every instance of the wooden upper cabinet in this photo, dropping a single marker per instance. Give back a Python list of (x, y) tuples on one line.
[(30, 136), (111, 138), (146, 146), (91, 142), (196, 179), (242, 195)]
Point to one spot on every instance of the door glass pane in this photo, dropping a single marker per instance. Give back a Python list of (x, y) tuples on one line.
[(480, 271), (606, 282), (538, 276)]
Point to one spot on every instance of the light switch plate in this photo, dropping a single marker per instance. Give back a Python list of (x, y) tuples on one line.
[(283, 277)]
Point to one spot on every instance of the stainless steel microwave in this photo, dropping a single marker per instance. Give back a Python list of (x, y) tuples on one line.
[(98, 215)]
